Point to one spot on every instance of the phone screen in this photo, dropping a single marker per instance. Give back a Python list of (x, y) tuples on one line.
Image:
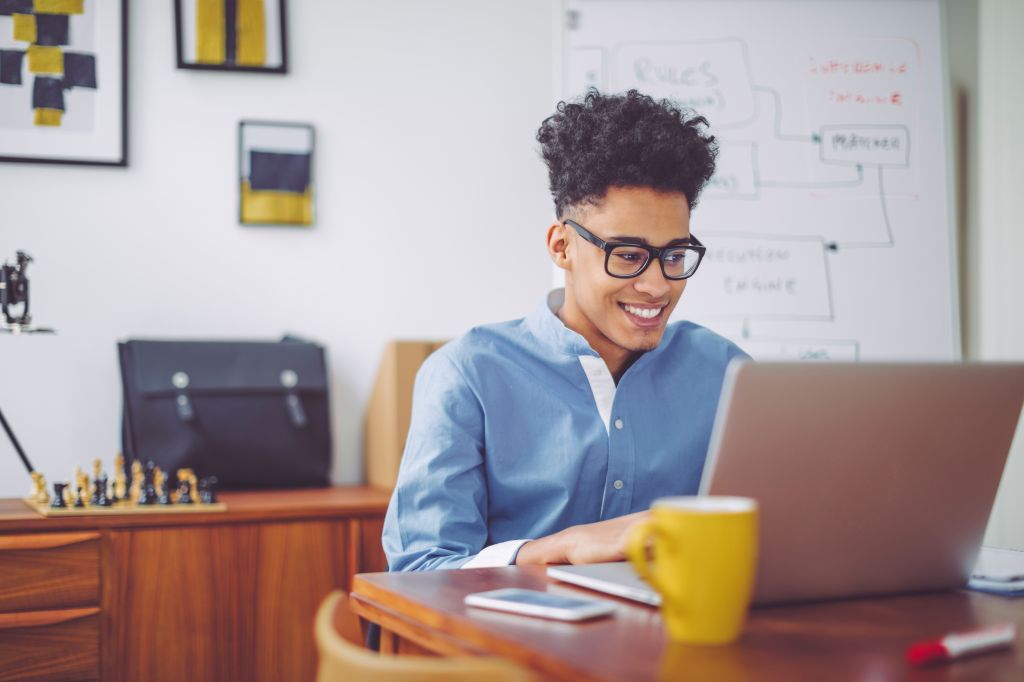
[(553, 601)]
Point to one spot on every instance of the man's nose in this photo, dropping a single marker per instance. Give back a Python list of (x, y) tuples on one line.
[(652, 282)]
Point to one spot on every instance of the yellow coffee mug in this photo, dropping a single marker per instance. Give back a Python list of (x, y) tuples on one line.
[(703, 562)]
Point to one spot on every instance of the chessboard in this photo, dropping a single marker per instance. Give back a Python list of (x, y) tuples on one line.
[(149, 491), (126, 507)]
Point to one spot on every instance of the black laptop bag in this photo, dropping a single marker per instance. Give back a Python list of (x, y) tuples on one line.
[(253, 414)]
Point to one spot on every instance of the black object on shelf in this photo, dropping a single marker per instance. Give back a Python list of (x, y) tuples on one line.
[(16, 444), (14, 293), (251, 414)]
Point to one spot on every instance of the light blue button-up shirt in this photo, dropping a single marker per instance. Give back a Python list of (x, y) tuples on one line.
[(507, 441)]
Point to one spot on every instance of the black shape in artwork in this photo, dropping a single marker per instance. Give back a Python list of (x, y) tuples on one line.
[(230, 31), (16, 7), (279, 171), (10, 66), (48, 93), (79, 70), (51, 29)]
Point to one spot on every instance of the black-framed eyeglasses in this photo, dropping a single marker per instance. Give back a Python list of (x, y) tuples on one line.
[(625, 260)]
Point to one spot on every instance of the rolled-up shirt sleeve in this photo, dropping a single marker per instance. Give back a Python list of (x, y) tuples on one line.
[(438, 512)]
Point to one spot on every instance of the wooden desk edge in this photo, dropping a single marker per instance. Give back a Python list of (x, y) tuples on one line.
[(428, 638), (446, 635)]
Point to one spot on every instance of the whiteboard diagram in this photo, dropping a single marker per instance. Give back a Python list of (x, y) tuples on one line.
[(828, 219)]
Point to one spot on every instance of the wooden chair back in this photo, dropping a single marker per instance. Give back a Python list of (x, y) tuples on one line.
[(342, 661)]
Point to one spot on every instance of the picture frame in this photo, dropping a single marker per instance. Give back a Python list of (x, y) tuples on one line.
[(64, 82), (231, 35), (275, 173)]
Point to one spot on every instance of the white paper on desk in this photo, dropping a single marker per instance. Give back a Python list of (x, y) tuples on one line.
[(999, 565)]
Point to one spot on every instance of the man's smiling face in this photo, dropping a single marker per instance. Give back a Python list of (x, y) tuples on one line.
[(620, 318)]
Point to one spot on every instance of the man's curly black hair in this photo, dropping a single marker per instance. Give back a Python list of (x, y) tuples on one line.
[(629, 140)]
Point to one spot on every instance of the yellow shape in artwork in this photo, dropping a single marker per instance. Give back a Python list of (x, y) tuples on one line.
[(252, 30), (24, 27), (45, 59), (210, 47), (276, 208), (58, 6), (48, 117)]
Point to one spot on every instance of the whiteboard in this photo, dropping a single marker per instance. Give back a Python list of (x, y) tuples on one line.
[(829, 220)]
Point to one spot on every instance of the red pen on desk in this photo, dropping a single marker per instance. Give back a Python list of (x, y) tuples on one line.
[(961, 644)]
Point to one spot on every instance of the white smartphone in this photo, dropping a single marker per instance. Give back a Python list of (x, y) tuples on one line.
[(541, 604)]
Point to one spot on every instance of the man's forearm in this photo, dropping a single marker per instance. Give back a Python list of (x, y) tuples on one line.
[(584, 544)]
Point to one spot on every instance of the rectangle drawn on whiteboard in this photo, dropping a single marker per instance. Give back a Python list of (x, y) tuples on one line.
[(760, 277), (711, 76), (878, 145)]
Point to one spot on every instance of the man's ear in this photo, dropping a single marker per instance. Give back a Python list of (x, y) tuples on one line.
[(558, 243)]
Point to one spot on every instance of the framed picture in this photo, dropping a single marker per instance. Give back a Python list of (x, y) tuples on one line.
[(275, 168), (231, 35), (64, 81)]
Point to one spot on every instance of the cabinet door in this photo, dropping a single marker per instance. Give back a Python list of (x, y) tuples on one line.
[(219, 602)]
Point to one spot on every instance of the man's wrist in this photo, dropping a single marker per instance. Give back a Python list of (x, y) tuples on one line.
[(546, 550)]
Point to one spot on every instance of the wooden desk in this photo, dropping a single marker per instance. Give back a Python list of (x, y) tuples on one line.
[(848, 640), (202, 596)]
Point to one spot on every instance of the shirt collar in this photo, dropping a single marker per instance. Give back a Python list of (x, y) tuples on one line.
[(545, 324)]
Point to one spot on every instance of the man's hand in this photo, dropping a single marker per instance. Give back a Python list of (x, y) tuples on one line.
[(586, 544)]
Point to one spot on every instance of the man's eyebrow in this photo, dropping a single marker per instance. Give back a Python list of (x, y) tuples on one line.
[(638, 240)]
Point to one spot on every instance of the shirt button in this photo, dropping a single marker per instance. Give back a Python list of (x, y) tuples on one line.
[(619, 424), (617, 485)]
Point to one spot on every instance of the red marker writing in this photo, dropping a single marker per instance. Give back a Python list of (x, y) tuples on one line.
[(960, 644)]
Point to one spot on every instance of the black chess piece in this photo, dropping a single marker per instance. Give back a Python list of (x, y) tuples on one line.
[(58, 496), (80, 499), (94, 497), (102, 500), (147, 491), (165, 490), (208, 490), (185, 492)]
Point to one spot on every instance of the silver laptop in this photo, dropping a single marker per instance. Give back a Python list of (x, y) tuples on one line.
[(872, 478)]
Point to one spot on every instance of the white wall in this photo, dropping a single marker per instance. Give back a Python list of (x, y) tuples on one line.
[(996, 273), (425, 114), (431, 205)]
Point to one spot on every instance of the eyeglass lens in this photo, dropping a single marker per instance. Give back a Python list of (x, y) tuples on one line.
[(624, 261)]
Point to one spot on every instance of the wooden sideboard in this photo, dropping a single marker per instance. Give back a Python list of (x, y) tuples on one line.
[(203, 596)]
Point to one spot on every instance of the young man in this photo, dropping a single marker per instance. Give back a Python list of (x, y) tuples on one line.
[(542, 440)]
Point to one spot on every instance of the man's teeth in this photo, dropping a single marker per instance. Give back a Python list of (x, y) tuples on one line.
[(646, 313)]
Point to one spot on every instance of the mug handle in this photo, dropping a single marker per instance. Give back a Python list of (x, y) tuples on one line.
[(636, 550)]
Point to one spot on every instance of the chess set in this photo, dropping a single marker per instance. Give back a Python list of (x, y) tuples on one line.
[(150, 491)]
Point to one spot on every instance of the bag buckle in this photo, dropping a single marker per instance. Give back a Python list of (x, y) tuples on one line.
[(289, 379), (186, 413)]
